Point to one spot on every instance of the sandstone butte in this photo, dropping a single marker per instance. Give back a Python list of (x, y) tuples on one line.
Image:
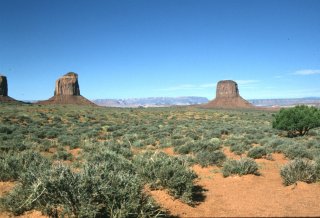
[(4, 91), (227, 96), (67, 91)]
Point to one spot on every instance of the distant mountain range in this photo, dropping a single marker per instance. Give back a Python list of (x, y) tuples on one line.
[(151, 102), (286, 102), (193, 100)]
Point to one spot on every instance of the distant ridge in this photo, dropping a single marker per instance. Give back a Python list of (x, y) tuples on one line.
[(151, 102), (286, 102)]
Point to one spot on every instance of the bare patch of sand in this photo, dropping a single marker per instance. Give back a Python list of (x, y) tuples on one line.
[(249, 195), (5, 187)]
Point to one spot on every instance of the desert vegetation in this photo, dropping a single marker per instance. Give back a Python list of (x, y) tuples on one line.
[(77, 161)]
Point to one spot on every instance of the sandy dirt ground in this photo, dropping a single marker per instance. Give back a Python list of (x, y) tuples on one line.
[(247, 196)]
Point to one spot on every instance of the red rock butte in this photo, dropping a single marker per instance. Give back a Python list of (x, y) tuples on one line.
[(227, 96), (4, 98), (67, 91)]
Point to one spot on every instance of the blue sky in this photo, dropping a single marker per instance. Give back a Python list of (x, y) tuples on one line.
[(150, 48)]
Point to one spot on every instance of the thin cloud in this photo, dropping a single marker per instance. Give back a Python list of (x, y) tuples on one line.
[(306, 72)]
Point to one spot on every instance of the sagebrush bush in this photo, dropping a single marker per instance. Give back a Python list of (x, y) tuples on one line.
[(297, 151), (240, 148), (241, 167), (163, 171), (257, 152), (62, 155), (99, 190), (299, 170), (13, 164), (206, 158)]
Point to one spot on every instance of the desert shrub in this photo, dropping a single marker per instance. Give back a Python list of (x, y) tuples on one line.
[(297, 151), (297, 121), (163, 171), (97, 191), (177, 142), (62, 155), (199, 146), (240, 148), (69, 140), (241, 167), (123, 149), (51, 134), (184, 149), (6, 129), (206, 145), (317, 160), (299, 170), (257, 152), (13, 164), (206, 158), (138, 143)]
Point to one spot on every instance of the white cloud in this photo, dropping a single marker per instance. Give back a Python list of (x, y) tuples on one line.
[(306, 72)]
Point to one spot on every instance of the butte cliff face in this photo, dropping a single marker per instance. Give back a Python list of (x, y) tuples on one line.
[(4, 91), (67, 85), (3, 86), (227, 96), (67, 91)]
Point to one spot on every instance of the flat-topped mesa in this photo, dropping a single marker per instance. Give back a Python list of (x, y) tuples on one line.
[(67, 85), (227, 96), (3, 86), (227, 89)]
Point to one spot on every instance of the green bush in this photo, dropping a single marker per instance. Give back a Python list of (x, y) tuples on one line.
[(62, 155), (163, 171), (241, 167), (318, 166), (97, 191), (6, 129), (240, 148), (257, 152), (299, 170), (297, 151), (13, 164), (297, 121), (184, 149), (206, 158)]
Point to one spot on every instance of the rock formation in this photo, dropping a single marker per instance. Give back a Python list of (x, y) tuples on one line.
[(4, 98), (67, 91), (3, 86), (227, 96), (67, 85)]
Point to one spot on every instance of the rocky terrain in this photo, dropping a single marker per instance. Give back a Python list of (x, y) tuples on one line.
[(228, 96), (67, 91), (151, 102)]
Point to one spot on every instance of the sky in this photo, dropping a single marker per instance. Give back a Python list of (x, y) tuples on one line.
[(161, 48)]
